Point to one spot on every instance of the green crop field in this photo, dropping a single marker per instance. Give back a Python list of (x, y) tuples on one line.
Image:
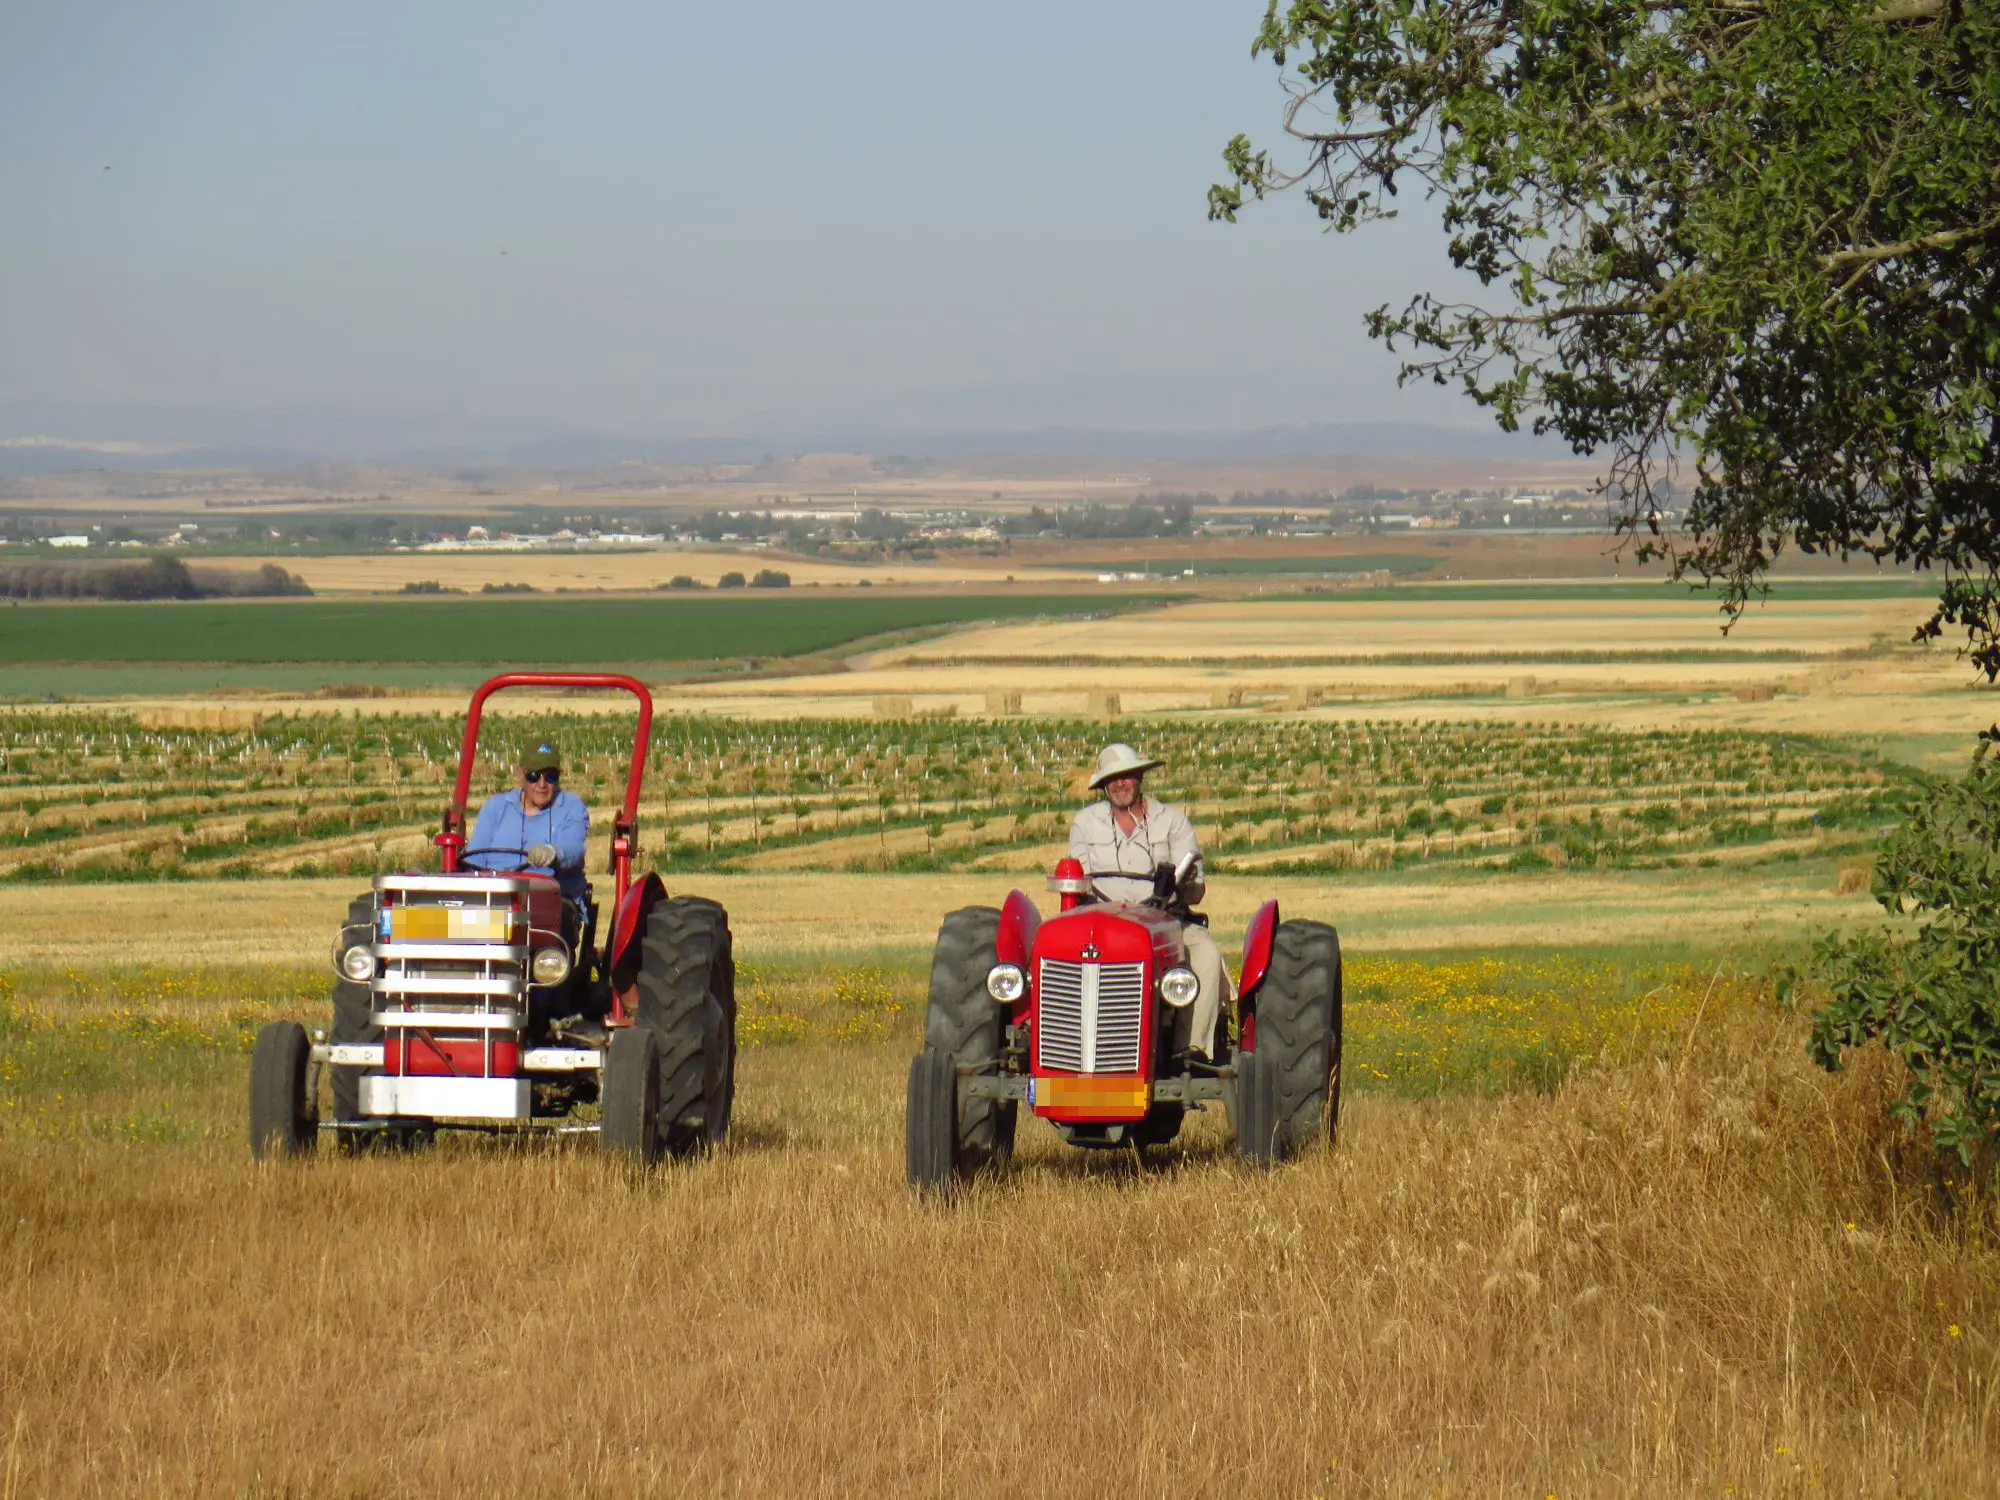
[(553, 632), (96, 796)]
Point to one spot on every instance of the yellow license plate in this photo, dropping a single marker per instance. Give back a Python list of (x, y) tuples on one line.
[(1091, 1093), (431, 924)]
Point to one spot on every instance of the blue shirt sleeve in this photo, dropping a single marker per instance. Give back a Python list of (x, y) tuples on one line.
[(569, 823), (490, 831)]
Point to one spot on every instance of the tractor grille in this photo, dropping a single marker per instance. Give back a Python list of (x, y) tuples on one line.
[(1088, 1016)]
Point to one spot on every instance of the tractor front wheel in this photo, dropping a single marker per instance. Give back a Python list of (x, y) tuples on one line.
[(687, 998), (1296, 1062), (965, 1022), (283, 1121), (630, 1105), (931, 1134), (353, 1022)]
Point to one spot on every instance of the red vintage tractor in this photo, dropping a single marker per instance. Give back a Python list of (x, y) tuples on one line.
[(470, 998), (1075, 1017)]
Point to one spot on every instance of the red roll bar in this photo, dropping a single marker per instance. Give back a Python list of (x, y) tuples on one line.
[(624, 829)]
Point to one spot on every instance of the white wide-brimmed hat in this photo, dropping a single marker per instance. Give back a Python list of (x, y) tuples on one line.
[(1120, 760)]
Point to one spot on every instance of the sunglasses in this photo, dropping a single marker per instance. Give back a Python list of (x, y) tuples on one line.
[(551, 777)]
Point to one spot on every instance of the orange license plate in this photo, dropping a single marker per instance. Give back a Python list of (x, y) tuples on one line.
[(1111, 1094)]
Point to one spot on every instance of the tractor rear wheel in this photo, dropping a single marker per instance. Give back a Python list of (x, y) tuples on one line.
[(630, 1105), (967, 1023), (687, 998), (353, 1012), (930, 1141), (1299, 1035), (283, 1121)]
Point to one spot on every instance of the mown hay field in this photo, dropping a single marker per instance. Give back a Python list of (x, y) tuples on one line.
[(1675, 1261), (637, 571)]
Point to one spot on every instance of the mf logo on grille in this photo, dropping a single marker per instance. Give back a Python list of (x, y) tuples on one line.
[(1090, 950)]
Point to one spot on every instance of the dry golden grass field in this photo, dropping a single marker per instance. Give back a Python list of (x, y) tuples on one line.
[(1691, 1266)]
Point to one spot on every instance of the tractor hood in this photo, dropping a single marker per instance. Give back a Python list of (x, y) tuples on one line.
[(1112, 933)]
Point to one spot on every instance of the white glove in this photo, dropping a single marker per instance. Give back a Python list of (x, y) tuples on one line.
[(542, 855)]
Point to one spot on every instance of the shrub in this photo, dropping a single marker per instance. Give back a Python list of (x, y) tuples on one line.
[(771, 578), (680, 581), (730, 580), (1930, 997)]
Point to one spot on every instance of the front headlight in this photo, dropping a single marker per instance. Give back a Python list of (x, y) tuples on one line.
[(358, 963), (1179, 986), (1006, 983), (550, 966)]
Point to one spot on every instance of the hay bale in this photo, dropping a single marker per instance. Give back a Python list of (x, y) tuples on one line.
[(1852, 877), (1305, 697), (1226, 698), (1102, 705), (1520, 687), (1756, 692), (1002, 701), (894, 706)]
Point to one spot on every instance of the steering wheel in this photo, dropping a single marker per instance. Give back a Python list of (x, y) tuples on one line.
[(526, 856)]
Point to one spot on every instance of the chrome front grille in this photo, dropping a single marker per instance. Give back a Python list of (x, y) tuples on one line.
[(1088, 1016)]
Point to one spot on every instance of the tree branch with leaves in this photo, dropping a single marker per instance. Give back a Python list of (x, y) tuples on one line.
[(1756, 242)]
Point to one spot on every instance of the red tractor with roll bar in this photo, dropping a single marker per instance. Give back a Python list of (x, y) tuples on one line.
[(479, 999), (1075, 1016)]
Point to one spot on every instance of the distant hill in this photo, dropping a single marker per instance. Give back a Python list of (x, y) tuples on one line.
[(44, 437)]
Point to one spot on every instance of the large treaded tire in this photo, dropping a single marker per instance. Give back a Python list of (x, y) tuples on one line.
[(353, 1006), (1298, 1034), (687, 998), (1256, 1110), (283, 1121), (930, 1128), (962, 1019), (630, 1107)]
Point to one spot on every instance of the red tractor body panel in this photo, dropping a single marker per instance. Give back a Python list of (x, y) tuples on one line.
[(1093, 1010), (1020, 920), (426, 1056), (1257, 948)]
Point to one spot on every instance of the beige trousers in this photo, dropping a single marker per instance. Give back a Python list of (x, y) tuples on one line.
[(1205, 958)]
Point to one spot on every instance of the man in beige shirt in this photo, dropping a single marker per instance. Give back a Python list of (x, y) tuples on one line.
[(1129, 832)]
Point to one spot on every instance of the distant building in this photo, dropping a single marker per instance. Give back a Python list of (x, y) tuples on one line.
[(69, 541)]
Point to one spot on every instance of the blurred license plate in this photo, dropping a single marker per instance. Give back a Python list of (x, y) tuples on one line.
[(430, 924), (1091, 1093)]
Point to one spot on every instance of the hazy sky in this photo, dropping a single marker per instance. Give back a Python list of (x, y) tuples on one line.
[(672, 218)]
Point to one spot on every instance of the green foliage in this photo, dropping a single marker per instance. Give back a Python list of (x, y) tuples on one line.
[(1932, 997), (1756, 243)]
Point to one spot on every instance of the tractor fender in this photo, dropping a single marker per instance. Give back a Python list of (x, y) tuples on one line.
[(630, 926), (1020, 920), (1257, 940)]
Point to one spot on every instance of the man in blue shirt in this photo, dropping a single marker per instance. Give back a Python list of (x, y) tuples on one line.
[(536, 826)]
